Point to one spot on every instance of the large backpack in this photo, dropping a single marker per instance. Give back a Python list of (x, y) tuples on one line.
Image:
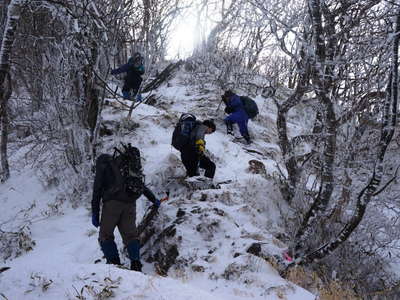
[(250, 106), (182, 131), (128, 175)]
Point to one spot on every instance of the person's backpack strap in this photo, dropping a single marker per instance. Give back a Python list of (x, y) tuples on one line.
[(118, 184)]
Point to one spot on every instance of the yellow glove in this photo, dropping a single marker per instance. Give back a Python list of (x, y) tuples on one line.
[(200, 146)]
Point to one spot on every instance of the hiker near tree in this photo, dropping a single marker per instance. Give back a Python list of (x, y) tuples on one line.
[(118, 183), (237, 114), (192, 147), (134, 70)]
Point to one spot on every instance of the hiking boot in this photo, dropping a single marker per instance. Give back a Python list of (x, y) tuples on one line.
[(113, 261), (136, 265), (229, 128), (247, 138), (126, 95), (110, 251), (209, 183)]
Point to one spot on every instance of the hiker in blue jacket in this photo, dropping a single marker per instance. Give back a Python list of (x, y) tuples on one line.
[(237, 114), (134, 70)]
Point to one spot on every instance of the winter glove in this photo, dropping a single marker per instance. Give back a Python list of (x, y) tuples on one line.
[(157, 203), (95, 220), (200, 146), (228, 110), (140, 69), (112, 72)]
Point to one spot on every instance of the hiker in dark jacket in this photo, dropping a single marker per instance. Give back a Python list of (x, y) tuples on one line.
[(118, 210), (237, 114), (192, 154), (134, 70)]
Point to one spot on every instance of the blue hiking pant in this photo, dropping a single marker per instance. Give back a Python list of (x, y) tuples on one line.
[(240, 117)]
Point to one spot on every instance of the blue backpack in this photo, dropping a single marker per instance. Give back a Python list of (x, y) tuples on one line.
[(182, 131)]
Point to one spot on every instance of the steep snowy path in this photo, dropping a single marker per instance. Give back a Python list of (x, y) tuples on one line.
[(61, 264)]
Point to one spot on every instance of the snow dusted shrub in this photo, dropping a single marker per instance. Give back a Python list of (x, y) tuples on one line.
[(362, 264), (73, 182), (257, 167), (222, 68), (127, 126), (38, 280), (208, 227), (100, 290), (14, 244), (247, 269), (263, 201), (233, 271)]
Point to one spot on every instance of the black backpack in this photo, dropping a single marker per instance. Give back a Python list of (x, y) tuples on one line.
[(250, 106), (182, 131), (128, 175)]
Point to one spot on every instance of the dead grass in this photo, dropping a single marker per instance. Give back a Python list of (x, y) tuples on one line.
[(331, 290)]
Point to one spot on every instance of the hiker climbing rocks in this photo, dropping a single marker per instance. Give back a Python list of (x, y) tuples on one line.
[(235, 107), (118, 183), (133, 79), (189, 139)]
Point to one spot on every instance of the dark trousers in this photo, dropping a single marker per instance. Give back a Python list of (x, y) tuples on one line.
[(192, 161), (132, 83), (118, 214)]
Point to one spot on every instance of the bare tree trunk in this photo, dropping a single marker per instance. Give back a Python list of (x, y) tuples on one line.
[(144, 36), (13, 14), (322, 87), (289, 189), (5, 169)]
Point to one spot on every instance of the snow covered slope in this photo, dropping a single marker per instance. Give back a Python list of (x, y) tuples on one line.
[(202, 236)]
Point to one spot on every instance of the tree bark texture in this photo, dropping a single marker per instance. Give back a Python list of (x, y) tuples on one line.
[(8, 37), (6, 94), (322, 86)]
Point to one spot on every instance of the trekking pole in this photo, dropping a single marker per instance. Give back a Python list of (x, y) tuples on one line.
[(133, 106), (166, 198), (149, 215), (219, 105), (115, 92)]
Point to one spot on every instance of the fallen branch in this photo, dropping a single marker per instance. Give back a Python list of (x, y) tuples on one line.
[(162, 77)]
